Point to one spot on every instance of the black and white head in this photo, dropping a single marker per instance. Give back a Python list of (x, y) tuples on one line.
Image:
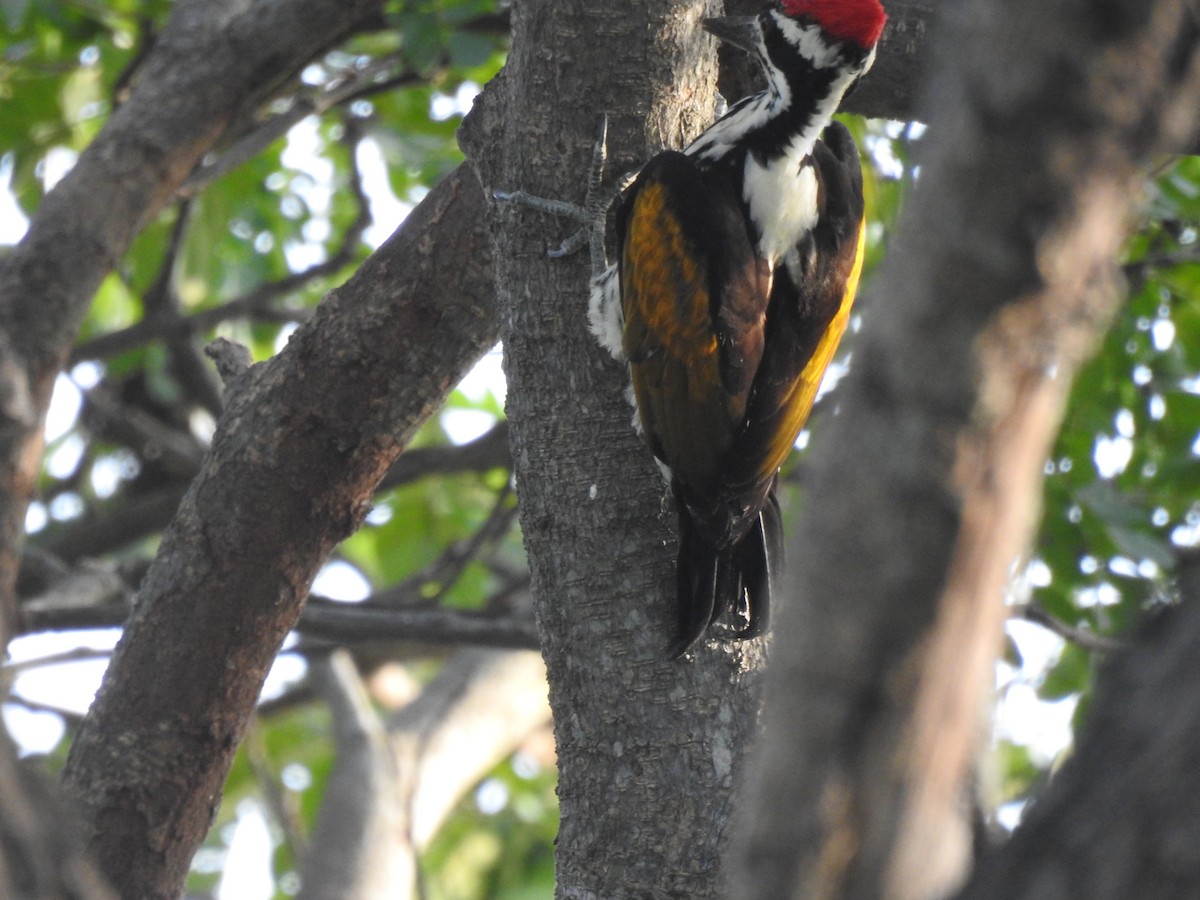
[(822, 33), (812, 52)]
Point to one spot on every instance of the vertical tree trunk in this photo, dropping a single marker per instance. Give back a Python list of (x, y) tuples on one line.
[(924, 490), (649, 749)]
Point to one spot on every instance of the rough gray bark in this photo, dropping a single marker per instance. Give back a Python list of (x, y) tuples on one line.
[(924, 490), (648, 749), (304, 440)]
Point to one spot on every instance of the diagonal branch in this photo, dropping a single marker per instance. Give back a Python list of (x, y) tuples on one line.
[(304, 441), (213, 60)]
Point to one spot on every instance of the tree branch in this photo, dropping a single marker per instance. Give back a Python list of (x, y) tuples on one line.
[(1081, 637), (353, 623), (304, 441), (1108, 827), (488, 451), (480, 706), (475, 713), (352, 852), (212, 60)]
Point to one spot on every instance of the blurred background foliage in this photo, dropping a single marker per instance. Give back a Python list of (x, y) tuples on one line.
[(285, 212)]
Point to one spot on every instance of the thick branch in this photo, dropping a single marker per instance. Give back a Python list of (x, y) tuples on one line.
[(212, 61), (1114, 823), (305, 439)]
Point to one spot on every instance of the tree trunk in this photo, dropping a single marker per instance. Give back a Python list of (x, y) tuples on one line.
[(649, 749), (923, 492)]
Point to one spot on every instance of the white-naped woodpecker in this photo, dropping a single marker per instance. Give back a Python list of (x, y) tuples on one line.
[(738, 262)]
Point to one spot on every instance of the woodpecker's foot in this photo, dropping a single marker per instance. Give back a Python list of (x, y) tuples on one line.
[(560, 208), (544, 204), (593, 214)]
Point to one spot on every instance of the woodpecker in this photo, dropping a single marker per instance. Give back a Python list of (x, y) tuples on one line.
[(738, 261)]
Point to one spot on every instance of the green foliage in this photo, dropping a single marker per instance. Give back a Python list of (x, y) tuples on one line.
[(1121, 485), (499, 843), (248, 257), (60, 65), (1121, 491)]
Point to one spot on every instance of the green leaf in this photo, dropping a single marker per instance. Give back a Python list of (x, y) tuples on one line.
[(1139, 544), (1068, 676), (467, 50)]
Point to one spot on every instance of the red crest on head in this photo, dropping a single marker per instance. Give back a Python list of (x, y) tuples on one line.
[(860, 21)]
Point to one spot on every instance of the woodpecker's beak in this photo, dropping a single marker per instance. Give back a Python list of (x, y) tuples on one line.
[(740, 31)]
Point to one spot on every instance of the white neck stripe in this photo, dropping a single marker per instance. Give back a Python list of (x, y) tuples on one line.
[(808, 40)]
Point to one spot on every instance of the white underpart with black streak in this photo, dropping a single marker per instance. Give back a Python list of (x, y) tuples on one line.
[(781, 192)]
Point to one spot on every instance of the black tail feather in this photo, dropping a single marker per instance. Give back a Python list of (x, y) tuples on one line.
[(711, 582), (760, 557), (696, 575)]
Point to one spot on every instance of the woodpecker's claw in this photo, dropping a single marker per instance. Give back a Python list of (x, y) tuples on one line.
[(544, 204), (575, 242), (593, 213), (571, 245)]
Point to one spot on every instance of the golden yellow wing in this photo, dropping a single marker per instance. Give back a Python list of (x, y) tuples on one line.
[(811, 298), (694, 299)]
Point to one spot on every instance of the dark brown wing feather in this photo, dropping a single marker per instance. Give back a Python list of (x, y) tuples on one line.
[(694, 297), (810, 306), (726, 358)]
